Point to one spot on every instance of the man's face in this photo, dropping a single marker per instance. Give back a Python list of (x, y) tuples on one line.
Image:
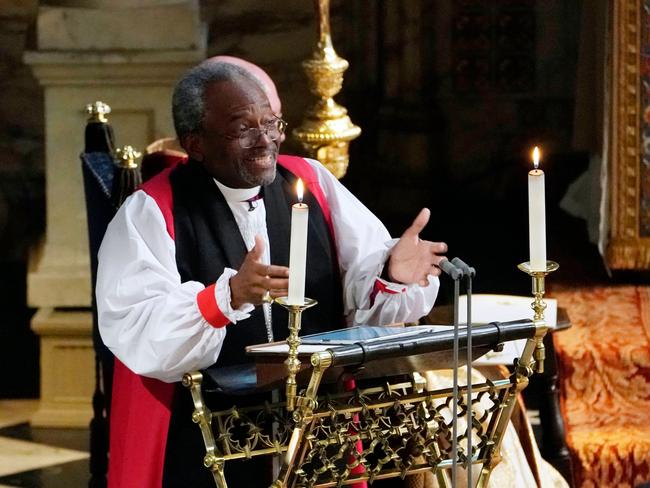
[(230, 108)]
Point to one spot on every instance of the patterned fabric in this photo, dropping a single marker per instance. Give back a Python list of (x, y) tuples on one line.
[(605, 383)]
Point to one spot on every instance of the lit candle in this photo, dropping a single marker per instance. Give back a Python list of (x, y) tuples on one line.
[(537, 216), (298, 249)]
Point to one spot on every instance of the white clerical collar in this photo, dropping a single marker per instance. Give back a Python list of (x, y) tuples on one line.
[(237, 194)]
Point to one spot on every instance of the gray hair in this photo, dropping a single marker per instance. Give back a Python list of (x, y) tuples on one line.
[(188, 100)]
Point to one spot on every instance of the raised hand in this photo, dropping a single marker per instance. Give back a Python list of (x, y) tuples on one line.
[(254, 279), (413, 259)]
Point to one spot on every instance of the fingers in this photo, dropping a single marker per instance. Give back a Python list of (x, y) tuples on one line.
[(435, 248), (435, 271), (269, 270), (275, 283), (439, 247), (264, 271), (279, 293), (269, 295), (257, 294), (274, 271), (265, 282), (254, 279), (419, 223)]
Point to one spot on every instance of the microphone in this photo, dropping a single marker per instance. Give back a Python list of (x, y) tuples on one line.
[(449, 268), (466, 268), (455, 273), (469, 272)]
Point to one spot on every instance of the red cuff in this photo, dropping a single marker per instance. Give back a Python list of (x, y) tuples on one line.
[(381, 287), (207, 302)]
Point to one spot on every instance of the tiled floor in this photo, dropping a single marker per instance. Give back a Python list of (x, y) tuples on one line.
[(38, 457)]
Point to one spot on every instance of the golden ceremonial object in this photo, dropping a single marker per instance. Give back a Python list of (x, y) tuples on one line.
[(97, 111), (126, 157), (292, 362), (327, 130), (127, 177), (98, 135), (538, 305)]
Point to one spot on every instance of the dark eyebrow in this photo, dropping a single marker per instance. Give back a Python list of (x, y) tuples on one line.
[(240, 112)]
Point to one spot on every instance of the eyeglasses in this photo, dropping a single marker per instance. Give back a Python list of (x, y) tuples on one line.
[(249, 137)]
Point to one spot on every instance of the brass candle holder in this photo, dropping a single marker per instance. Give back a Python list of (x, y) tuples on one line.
[(538, 305), (292, 361)]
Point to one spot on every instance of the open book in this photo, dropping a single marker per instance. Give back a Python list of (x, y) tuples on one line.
[(380, 351), (325, 340), (485, 309), (502, 308)]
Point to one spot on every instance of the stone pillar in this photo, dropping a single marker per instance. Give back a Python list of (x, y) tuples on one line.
[(129, 55)]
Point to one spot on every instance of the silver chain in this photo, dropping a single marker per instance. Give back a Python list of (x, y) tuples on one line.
[(266, 308)]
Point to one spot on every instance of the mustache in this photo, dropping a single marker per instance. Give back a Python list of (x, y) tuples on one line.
[(261, 153)]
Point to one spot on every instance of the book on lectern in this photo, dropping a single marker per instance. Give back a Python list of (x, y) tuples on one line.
[(341, 337)]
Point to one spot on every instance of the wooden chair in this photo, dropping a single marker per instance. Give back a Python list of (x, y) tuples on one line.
[(107, 182)]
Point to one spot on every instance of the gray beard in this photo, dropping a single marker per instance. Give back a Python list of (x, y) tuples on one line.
[(257, 180)]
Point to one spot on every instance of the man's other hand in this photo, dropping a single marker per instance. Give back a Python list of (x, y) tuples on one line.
[(413, 259), (254, 279)]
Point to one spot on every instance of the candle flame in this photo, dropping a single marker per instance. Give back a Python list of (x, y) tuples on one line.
[(536, 156), (300, 189)]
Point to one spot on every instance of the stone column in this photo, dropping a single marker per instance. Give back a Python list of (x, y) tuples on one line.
[(129, 55)]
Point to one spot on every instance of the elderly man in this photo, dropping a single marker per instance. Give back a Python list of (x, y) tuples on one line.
[(188, 263)]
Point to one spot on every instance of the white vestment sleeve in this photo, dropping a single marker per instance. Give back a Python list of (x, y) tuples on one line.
[(363, 246), (147, 317)]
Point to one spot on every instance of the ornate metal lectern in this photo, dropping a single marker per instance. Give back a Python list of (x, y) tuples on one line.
[(394, 428)]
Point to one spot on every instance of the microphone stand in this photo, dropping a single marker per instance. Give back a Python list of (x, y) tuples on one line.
[(456, 274), (469, 273)]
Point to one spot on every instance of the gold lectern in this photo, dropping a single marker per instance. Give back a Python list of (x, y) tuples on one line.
[(394, 429)]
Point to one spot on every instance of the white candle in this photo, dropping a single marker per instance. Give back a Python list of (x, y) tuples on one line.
[(298, 249), (536, 216)]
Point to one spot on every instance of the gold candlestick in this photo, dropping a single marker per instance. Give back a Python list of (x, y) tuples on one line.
[(292, 362), (538, 305)]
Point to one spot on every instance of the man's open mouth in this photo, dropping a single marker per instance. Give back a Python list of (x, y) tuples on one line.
[(265, 161)]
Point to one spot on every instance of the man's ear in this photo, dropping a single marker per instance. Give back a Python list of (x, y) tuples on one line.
[(193, 145)]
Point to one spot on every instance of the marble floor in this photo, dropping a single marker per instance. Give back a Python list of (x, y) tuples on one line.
[(39, 457)]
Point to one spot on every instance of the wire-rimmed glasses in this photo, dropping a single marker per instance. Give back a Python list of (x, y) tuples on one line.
[(249, 137)]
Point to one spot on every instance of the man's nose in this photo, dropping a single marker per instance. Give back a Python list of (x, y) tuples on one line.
[(264, 139)]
